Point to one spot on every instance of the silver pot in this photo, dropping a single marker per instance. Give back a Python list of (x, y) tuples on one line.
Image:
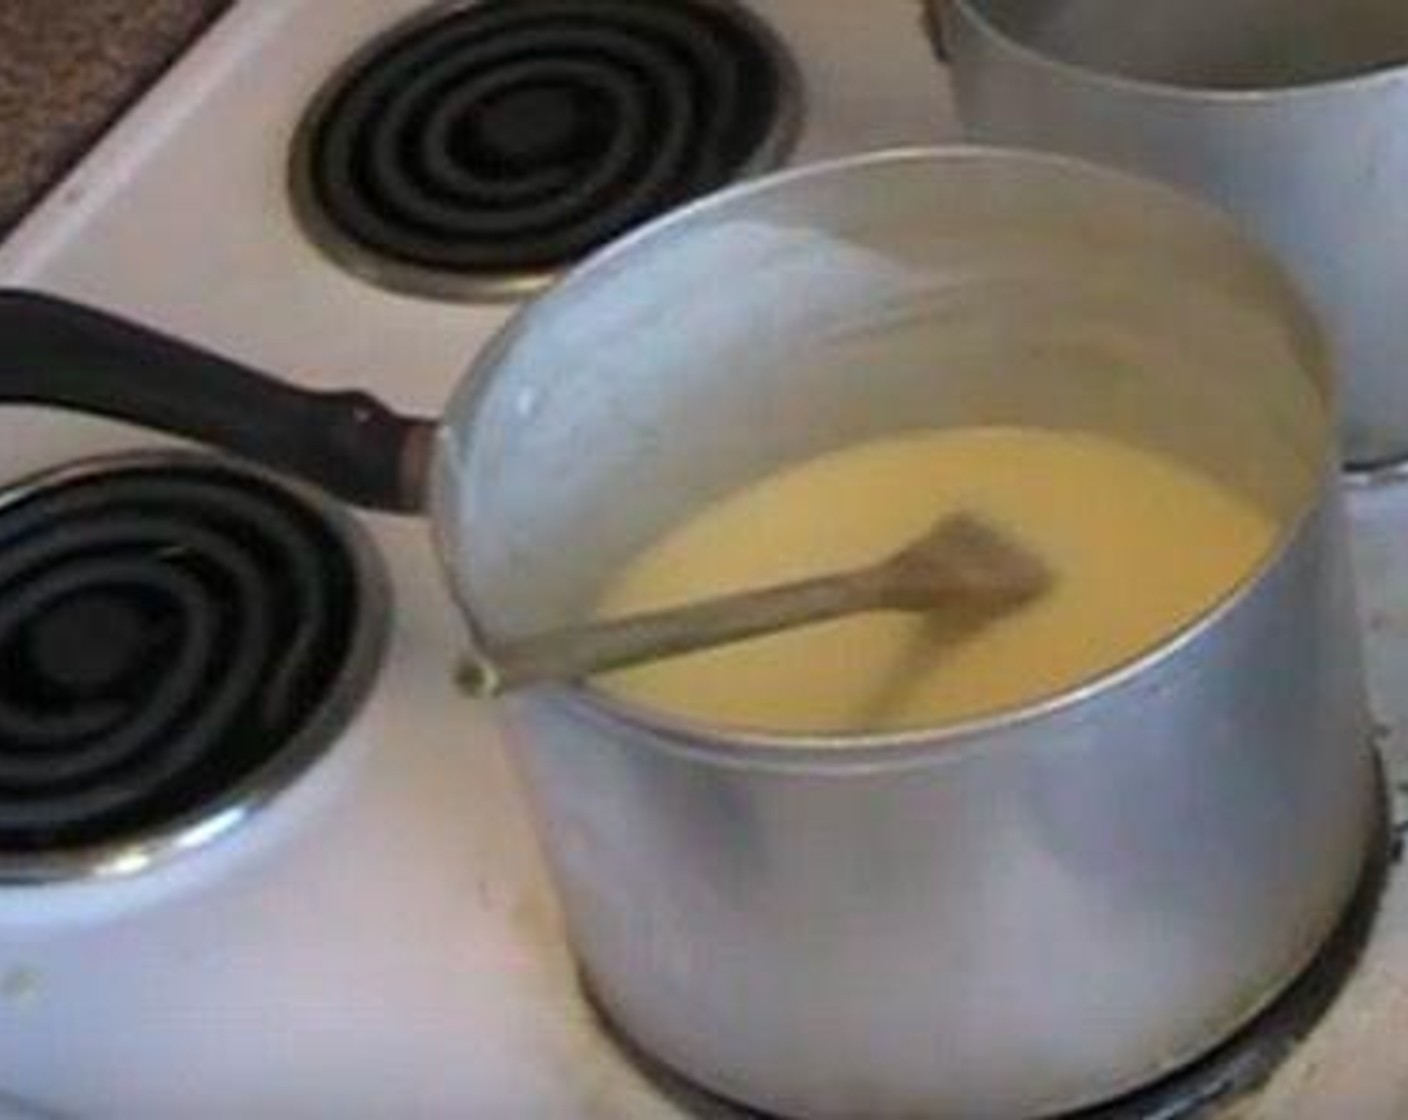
[(1288, 113), (1010, 918), (1013, 917)]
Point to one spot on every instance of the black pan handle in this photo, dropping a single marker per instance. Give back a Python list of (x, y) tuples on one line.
[(55, 352)]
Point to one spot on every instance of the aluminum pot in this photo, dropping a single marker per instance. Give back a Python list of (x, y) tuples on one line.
[(1016, 916), (1288, 113)]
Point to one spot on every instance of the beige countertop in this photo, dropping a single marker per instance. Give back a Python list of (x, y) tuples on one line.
[(67, 69)]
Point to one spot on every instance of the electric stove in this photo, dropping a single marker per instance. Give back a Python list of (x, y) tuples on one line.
[(347, 915)]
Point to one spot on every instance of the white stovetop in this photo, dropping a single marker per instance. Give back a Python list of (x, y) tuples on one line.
[(384, 944)]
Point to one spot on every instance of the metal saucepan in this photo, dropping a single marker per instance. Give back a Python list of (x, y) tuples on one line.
[(1017, 916), (1288, 113)]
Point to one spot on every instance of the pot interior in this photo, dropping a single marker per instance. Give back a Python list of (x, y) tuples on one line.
[(1211, 44), (823, 308)]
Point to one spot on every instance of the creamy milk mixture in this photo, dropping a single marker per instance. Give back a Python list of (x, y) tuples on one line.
[(1138, 543)]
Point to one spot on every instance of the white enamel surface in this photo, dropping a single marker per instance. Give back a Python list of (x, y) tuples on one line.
[(383, 944)]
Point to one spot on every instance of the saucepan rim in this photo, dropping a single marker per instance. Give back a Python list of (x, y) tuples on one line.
[(726, 745), (1250, 96)]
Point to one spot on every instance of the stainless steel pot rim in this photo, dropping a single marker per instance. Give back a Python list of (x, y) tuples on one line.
[(849, 754), (1248, 97), (143, 852)]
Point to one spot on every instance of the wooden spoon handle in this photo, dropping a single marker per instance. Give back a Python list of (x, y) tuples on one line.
[(960, 562), (597, 647)]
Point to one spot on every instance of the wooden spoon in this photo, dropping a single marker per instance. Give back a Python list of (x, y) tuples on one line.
[(962, 564)]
